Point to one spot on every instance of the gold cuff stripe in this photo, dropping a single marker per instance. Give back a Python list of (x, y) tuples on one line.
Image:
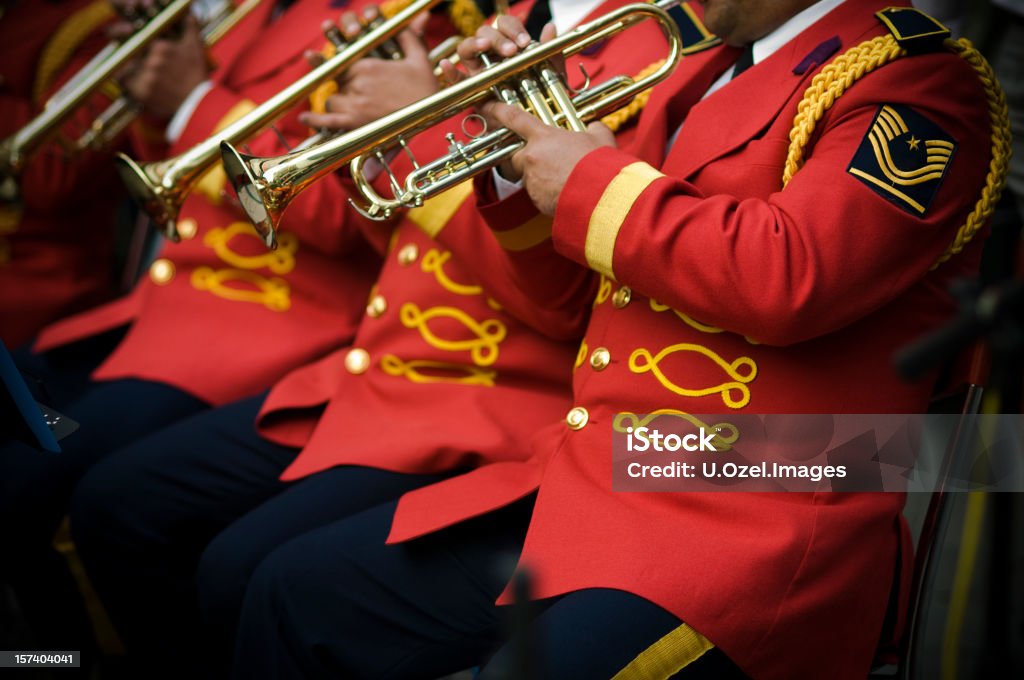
[(532, 233), (667, 656), (611, 211), (432, 216)]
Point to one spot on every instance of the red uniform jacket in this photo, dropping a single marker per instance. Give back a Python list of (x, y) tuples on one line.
[(56, 247), (816, 285), (452, 367), (219, 316)]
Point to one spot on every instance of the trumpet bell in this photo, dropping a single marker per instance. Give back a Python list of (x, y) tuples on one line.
[(250, 190), (144, 186)]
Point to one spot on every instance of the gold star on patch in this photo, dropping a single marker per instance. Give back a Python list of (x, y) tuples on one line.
[(910, 175)]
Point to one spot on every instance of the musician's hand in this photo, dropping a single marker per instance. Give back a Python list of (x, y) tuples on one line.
[(123, 28), (169, 71), (506, 38), (373, 88), (550, 153)]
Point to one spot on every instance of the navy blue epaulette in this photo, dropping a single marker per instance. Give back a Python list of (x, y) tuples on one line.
[(914, 30), (696, 36)]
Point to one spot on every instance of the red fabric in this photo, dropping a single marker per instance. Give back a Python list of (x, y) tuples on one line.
[(827, 276), (58, 259), (388, 421), (222, 349)]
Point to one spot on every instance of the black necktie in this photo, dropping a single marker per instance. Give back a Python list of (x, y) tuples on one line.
[(540, 14), (745, 61)]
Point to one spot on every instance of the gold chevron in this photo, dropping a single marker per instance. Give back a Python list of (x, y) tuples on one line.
[(889, 125)]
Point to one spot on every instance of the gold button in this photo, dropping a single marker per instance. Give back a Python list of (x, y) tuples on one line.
[(377, 306), (622, 297), (408, 254), (357, 361), (188, 228), (577, 418), (161, 271), (600, 358)]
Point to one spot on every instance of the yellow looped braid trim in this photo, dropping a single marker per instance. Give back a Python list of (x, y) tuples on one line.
[(465, 16), (617, 119), (833, 81), (71, 33)]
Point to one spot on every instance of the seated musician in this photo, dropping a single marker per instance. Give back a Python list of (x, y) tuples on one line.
[(752, 260), (452, 368), (217, 318)]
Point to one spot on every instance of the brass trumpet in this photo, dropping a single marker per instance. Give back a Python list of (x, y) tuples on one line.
[(123, 111), (266, 186), (160, 188), (17, 148)]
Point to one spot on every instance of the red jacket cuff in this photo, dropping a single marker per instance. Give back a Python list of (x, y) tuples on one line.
[(582, 191)]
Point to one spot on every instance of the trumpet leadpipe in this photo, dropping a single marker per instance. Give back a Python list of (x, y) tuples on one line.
[(123, 111), (18, 147)]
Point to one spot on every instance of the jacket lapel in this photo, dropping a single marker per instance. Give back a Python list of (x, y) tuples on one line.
[(670, 100), (232, 47), (282, 40)]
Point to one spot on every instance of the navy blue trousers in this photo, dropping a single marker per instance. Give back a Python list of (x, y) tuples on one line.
[(337, 602), (171, 528), (35, 486)]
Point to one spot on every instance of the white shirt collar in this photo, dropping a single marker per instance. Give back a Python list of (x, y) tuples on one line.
[(566, 14), (771, 43)]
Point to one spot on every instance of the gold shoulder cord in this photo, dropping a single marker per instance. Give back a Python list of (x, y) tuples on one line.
[(464, 14), (617, 119), (833, 81), (71, 33)]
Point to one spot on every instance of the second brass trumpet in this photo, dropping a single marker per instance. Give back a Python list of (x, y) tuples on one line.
[(266, 186)]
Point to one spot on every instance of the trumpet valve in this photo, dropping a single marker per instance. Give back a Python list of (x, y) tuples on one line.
[(334, 36)]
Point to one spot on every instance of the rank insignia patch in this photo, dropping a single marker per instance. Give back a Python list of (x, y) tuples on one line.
[(903, 158)]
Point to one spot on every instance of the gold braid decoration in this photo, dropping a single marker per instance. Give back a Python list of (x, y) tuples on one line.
[(390, 8), (616, 119), (465, 16), (835, 78), (67, 38)]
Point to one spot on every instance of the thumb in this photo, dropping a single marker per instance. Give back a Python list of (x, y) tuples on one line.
[(419, 24), (515, 119), (192, 29), (602, 134)]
